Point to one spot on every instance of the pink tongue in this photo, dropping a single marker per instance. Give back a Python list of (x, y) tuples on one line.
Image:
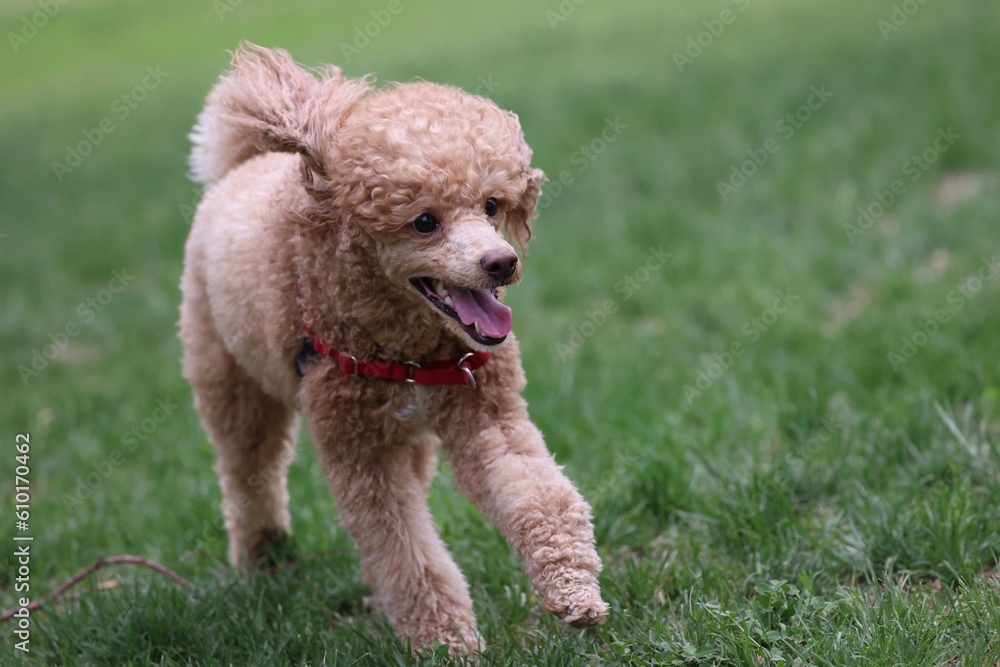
[(481, 306)]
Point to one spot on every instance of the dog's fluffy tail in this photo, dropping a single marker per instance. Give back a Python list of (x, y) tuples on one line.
[(268, 103)]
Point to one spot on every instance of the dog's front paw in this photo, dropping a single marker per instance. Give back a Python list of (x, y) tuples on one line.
[(580, 608)]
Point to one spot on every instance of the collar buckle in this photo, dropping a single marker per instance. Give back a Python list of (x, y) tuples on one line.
[(411, 368), (355, 366), (461, 366)]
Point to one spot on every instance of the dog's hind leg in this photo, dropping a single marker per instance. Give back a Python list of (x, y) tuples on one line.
[(253, 434)]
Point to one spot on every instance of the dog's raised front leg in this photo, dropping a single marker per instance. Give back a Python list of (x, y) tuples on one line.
[(502, 465), (369, 461)]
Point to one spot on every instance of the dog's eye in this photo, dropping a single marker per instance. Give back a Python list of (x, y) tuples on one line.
[(426, 223), (491, 207)]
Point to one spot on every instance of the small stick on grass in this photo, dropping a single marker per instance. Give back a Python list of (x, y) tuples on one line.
[(93, 567), (203, 554)]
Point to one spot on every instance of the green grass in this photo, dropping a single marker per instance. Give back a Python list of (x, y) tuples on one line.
[(815, 503)]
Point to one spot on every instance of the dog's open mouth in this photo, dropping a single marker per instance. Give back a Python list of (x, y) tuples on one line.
[(479, 311)]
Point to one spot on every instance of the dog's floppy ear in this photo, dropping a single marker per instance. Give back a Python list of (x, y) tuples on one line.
[(268, 103), (519, 220)]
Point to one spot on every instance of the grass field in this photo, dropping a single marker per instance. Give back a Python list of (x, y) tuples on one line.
[(785, 412)]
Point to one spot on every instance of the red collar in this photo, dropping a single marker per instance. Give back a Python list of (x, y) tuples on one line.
[(431, 374)]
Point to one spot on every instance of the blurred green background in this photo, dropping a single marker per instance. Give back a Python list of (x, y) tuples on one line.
[(808, 498)]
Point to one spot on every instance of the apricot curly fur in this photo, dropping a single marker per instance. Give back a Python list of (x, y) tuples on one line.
[(313, 182)]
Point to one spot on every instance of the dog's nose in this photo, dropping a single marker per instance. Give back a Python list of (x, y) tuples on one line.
[(500, 264)]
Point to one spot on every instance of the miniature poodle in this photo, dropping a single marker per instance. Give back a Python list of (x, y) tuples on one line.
[(348, 262)]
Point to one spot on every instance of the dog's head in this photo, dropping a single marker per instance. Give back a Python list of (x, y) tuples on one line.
[(436, 182), (438, 177)]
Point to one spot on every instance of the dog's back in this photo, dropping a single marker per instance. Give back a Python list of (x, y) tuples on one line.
[(239, 280)]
